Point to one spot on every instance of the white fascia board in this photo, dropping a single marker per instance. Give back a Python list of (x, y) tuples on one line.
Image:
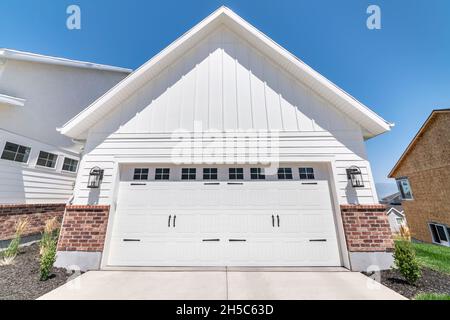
[(12, 101), (372, 123), (399, 213), (33, 57)]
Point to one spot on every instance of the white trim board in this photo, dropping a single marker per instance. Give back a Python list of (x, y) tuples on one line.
[(33, 57), (12, 101)]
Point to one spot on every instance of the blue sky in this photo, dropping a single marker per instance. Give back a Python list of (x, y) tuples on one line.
[(401, 71)]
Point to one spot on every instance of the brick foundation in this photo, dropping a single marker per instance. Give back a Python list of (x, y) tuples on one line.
[(37, 215), (84, 228), (367, 228)]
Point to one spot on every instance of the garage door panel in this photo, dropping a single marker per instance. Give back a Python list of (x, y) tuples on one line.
[(210, 251), (185, 223), (317, 222), (209, 216), (322, 253), (138, 253), (144, 222)]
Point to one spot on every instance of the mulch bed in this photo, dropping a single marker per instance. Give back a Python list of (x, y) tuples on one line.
[(430, 282), (20, 281)]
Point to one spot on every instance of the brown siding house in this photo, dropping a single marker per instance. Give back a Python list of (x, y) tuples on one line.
[(423, 177)]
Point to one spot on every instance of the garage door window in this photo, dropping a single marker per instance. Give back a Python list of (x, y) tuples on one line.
[(210, 174), (140, 174), (162, 174), (236, 173), (306, 173), (257, 174), (285, 174), (188, 173)]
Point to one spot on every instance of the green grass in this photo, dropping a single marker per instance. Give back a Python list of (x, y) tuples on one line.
[(432, 296), (433, 256)]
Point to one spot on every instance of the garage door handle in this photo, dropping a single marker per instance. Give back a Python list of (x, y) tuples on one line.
[(237, 240), (273, 221), (131, 240), (278, 220), (168, 223), (318, 240), (174, 221), (211, 240)]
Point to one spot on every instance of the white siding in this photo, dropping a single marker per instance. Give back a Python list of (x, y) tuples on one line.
[(225, 84), (53, 95), (26, 183)]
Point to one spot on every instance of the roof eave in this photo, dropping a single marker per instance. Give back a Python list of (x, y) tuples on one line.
[(33, 57), (12, 101)]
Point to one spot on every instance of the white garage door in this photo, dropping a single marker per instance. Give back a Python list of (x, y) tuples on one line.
[(249, 223)]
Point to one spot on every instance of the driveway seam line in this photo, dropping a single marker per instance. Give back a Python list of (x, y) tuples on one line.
[(226, 279)]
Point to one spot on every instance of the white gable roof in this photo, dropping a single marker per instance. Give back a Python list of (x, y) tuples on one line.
[(370, 122), (395, 211)]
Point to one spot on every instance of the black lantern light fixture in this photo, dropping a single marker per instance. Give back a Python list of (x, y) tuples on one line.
[(355, 176), (95, 178)]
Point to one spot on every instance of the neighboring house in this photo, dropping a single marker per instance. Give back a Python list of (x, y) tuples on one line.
[(175, 166), (38, 94), (423, 179), (394, 212)]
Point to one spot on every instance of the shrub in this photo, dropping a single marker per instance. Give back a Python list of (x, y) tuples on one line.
[(8, 256), (406, 262), (50, 232), (48, 246)]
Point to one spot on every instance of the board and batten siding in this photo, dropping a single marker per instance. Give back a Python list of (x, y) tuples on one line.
[(27, 183), (224, 84)]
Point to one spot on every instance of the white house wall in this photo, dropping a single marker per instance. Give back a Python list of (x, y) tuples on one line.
[(53, 95), (26, 183), (224, 84)]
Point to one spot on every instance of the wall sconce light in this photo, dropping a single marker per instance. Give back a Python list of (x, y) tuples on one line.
[(355, 176), (95, 178)]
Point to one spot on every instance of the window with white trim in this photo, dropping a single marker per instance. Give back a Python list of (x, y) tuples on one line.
[(399, 221), (188, 173), (440, 234), (70, 165), (257, 174), (236, 173), (46, 159), (209, 173), (405, 188), (285, 174), (306, 173), (16, 152), (162, 173), (140, 174)]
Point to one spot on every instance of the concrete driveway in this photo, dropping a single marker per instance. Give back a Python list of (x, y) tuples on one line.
[(222, 285)]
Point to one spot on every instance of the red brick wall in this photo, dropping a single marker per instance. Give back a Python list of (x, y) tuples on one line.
[(367, 228), (37, 215), (84, 228)]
